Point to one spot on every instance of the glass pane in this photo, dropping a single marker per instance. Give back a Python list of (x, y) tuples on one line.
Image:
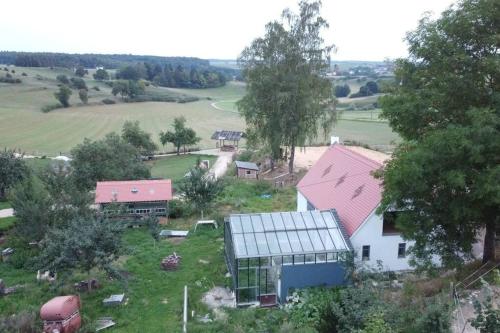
[(287, 220), (278, 221), (246, 223), (283, 242), (337, 239), (309, 221), (321, 257), (316, 240), (330, 223), (257, 223), (287, 260), (251, 246), (310, 259), (272, 242), (267, 222), (239, 245), (243, 275), (294, 241), (318, 218), (331, 257), (327, 239), (298, 259), (261, 243), (247, 295), (299, 222), (236, 225), (305, 241)]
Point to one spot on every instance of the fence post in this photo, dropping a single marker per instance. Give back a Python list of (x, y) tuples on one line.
[(184, 321)]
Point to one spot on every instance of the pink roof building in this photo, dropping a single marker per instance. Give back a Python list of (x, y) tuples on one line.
[(133, 191), (343, 179)]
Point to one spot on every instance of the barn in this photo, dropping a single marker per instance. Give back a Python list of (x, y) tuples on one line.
[(269, 255), (139, 197), (247, 170)]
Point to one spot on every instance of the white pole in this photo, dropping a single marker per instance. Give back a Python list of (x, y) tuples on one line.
[(184, 323)]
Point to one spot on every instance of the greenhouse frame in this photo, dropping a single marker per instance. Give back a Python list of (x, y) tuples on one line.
[(269, 255)]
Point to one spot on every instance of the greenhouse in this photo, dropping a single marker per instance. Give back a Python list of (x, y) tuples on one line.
[(271, 254)]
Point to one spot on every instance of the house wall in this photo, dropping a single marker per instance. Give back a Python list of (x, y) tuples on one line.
[(311, 275), (242, 173), (301, 202), (383, 248)]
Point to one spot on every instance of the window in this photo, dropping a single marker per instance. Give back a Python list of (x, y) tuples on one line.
[(248, 172), (389, 224), (402, 250), (365, 254)]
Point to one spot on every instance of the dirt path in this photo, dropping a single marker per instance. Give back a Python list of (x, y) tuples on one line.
[(6, 212), (220, 166)]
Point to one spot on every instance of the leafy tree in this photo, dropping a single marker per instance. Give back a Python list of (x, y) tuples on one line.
[(128, 88), (447, 108), (199, 188), (130, 73), (287, 99), (134, 135), (83, 245), (62, 78), (135, 88), (342, 91), (63, 95), (84, 96), (372, 86), (181, 136), (101, 74), (13, 169), (78, 83), (120, 87), (487, 316), (108, 159), (80, 71)]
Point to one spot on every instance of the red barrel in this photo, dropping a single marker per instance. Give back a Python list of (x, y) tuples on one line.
[(61, 314)]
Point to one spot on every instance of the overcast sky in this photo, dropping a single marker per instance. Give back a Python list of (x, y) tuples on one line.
[(214, 29)]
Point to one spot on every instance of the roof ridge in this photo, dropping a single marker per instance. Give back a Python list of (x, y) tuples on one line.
[(364, 159)]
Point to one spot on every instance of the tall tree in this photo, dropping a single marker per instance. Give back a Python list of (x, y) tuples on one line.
[(63, 95), (181, 136), (13, 169), (133, 134), (101, 74), (84, 96), (110, 158), (444, 176), (80, 71), (288, 100)]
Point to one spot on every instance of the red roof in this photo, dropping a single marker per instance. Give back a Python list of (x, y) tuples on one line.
[(342, 179), (133, 191)]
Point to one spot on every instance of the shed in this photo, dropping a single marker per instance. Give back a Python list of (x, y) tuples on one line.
[(140, 197), (271, 254), (247, 170), (224, 135)]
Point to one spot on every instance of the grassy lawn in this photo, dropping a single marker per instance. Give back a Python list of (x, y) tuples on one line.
[(4, 204), (175, 167), (156, 296), (6, 223)]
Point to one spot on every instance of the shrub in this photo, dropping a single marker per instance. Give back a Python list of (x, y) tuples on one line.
[(108, 101), (96, 88), (23, 322), (48, 108), (13, 71), (78, 83), (24, 74), (63, 79), (9, 80), (8, 75), (178, 208), (245, 156)]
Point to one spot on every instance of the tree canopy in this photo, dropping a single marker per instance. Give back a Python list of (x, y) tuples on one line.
[(13, 169), (133, 134), (287, 98), (101, 74), (444, 176), (181, 136), (63, 95), (111, 158)]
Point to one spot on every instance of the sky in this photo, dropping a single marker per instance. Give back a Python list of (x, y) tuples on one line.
[(209, 29)]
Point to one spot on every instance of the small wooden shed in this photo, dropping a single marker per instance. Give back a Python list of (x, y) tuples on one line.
[(247, 170)]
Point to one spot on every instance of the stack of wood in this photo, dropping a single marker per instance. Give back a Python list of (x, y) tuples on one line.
[(170, 262), (87, 285)]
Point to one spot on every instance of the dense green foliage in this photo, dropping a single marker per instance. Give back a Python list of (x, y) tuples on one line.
[(342, 91), (370, 88), (62, 78), (101, 74), (128, 88), (445, 175), (181, 136), (487, 316), (80, 71), (287, 99), (84, 96), (63, 95), (13, 169), (134, 135), (111, 158), (78, 83)]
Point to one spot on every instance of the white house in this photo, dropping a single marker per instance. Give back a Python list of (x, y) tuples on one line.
[(342, 179)]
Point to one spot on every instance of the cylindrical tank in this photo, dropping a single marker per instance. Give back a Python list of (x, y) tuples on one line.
[(61, 314)]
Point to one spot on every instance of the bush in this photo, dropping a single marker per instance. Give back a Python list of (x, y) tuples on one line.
[(10, 79), (13, 71), (244, 156), (108, 101), (23, 322), (96, 88), (48, 108), (78, 83), (63, 79), (178, 208), (24, 74)]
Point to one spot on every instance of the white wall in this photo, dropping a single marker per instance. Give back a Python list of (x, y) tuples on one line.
[(301, 202), (384, 248)]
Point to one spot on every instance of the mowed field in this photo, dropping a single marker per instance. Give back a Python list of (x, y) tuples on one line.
[(23, 126)]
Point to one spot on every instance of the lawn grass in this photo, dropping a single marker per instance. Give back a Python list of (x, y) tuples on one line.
[(7, 223), (4, 204), (175, 167), (156, 296)]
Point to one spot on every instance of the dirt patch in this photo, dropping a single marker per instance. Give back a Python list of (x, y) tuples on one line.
[(176, 240), (219, 297)]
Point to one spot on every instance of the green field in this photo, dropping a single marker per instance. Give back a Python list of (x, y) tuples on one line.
[(175, 167), (23, 126)]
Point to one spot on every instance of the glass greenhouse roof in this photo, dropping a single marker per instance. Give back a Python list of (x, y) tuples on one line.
[(286, 233)]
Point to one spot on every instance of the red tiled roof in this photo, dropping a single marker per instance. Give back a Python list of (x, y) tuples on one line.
[(133, 191), (342, 179)]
